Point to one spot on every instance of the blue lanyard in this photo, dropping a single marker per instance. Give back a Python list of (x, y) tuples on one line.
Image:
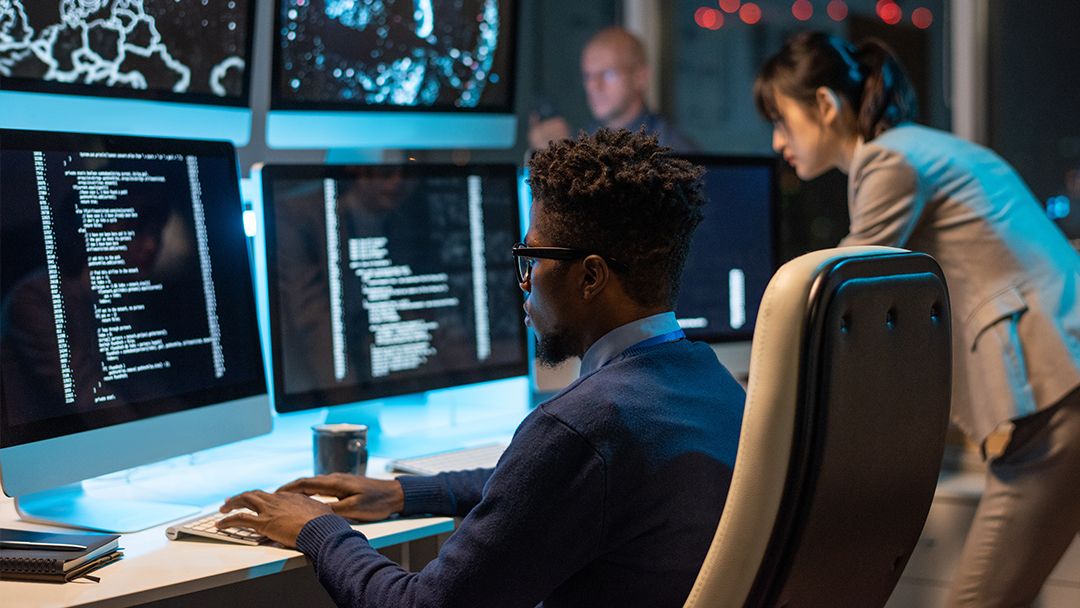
[(670, 336)]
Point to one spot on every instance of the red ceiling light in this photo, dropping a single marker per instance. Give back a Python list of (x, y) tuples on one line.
[(922, 18), (890, 13), (802, 9), (730, 6), (709, 18), (837, 9), (750, 13)]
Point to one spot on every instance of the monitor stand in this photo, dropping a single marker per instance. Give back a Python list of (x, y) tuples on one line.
[(70, 506)]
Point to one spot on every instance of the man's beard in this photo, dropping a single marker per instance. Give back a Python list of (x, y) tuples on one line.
[(553, 348)]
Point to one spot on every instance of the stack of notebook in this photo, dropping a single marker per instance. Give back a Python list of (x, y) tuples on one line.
[(47, 556)]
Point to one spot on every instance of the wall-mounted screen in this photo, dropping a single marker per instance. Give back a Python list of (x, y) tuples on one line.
[(142, 67), (445, 65), (190, 52)]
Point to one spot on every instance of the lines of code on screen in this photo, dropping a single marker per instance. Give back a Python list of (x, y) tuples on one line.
[(385, 278), (112, 300)]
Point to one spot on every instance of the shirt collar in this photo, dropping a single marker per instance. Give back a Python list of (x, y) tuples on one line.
[(623, 337)]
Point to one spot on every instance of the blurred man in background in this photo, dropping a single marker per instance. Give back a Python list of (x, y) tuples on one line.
[(615, 74)]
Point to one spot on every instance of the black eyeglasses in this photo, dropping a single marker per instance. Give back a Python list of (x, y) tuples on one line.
[(527, 255)]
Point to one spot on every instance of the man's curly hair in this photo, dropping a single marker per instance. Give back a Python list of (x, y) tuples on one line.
[(621, 194)]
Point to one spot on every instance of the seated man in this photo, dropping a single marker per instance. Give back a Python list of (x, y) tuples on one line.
[(610, 492)]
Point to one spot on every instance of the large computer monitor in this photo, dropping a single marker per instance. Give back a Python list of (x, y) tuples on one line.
[(137, 67), (733, 255), (128, 330), (390, 280), (374, 74)]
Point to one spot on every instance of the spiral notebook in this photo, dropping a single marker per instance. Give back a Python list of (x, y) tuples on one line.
[(48, 556)]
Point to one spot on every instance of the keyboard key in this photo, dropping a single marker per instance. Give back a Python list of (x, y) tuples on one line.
[(204, 526)]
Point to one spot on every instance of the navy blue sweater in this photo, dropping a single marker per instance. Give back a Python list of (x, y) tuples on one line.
[(608, 495)]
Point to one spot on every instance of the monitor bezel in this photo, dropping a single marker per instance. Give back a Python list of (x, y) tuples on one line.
[(770, 163), (54, 428), (285, 402), (278, 103)]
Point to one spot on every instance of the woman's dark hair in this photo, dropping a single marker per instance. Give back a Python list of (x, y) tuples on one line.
[(869, 76), (623, 195)]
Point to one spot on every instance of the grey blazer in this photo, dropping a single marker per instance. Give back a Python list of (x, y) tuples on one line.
[(1013, 278)]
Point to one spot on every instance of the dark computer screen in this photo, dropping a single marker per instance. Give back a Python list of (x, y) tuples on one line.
[(435, 55), (192, 52), (125, 284), (732, 257), (389, 280)]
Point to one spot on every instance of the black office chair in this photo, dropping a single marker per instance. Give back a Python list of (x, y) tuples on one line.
[(843, 435)]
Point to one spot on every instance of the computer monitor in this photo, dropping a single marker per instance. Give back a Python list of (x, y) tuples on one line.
[(431, 74), (148, 67), (390, 280), (128, 330), (733, 255)]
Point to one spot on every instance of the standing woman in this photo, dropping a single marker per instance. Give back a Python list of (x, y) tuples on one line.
[(1014, 284)]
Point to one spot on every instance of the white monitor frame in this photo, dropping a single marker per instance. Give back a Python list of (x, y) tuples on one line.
[(44, 475)]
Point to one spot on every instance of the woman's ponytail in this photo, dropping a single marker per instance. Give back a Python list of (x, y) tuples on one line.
[(888, 98)]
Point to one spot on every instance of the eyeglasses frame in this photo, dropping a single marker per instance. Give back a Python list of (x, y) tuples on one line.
[(521, 250)]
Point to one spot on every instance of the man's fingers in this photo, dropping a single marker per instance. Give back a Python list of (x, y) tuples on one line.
[(254, 500), (305, 485), (343, 507), (242, 519), (325, 485)]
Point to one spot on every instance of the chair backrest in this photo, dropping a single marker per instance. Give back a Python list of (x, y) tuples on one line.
[(842, 438)]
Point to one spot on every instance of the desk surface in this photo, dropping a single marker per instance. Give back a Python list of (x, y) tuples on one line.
[(156, 568)]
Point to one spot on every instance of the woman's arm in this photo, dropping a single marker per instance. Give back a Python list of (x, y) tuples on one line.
[(885, 198)]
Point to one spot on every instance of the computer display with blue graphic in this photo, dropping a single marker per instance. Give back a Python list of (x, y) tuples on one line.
[(143, 67), (416, 73)]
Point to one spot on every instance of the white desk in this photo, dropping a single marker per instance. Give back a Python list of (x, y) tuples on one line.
[(155, 568)]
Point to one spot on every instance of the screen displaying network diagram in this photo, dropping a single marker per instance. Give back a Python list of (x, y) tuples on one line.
[(191, 51)]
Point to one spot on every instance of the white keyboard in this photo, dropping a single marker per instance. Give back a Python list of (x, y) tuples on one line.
[(203, 525), (479, 457)]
